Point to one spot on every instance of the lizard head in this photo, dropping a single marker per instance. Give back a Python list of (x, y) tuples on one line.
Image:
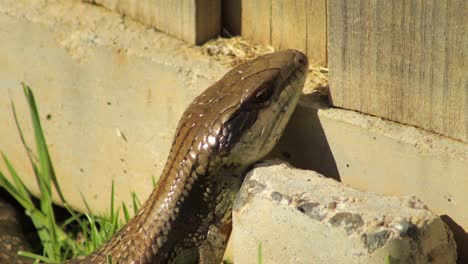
[(247, 110), (270, 88)]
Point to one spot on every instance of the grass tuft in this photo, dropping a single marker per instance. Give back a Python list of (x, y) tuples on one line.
[(78, 235)]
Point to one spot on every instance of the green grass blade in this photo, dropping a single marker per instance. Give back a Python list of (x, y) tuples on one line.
[(95, 236), (5, 183), (74, 216), (76, 247), (109, 259), (44, 158), (32, 159), (153, 180), (45, 178), (136, 203), (31, 155), (114, 225), (126, 213), (20, 187), (112, 216), (35, 256), (40, 222), (56, 243)]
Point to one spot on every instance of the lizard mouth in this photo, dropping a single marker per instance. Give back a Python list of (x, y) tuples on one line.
[(291, 90)]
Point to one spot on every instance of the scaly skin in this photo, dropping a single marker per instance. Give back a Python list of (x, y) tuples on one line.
[(230, 126)]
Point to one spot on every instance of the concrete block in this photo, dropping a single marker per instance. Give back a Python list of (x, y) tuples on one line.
[(110, 93), (377, 155), (300, 216)]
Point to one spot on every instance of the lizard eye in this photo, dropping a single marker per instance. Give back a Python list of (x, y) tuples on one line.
[(265, 94)]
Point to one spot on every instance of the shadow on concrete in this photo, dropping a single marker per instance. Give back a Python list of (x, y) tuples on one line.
[(304, 143), (461, 238)]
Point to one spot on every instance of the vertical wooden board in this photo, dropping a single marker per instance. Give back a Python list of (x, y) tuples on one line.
[(180, 22), (153, 13), (194, 21), (337, 56), (289, 24), (453, 68), (296, 24), (165, 9), (316, 37), (208, 20), (401, 60), (146, 13), (136, 9), (185, 21), (256, 20)]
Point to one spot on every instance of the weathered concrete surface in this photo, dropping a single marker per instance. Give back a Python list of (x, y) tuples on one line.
[(110, 93), (300, 216), (382, 156), (114, 90)]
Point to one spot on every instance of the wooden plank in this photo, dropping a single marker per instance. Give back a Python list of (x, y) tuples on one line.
[(298, 24), (195, 21), (256, 20), (208, 20), (289, 24), (401, 60), (317, 31)]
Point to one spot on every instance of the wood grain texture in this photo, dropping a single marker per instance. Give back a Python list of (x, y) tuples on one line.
[(256, 20), (195, 21), (317, 30), (298, 24), (289, 24), (401, 60), (208, 20)]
